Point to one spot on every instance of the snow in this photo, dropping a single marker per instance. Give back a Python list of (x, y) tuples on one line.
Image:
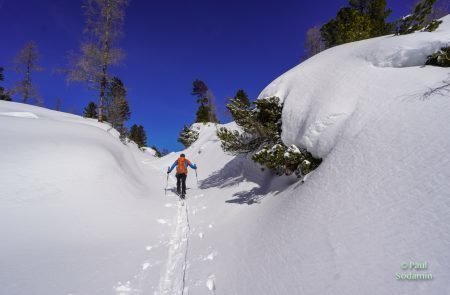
[(366, 75), (82, 213)]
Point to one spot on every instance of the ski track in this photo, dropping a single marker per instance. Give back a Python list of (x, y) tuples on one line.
[(173, 279)]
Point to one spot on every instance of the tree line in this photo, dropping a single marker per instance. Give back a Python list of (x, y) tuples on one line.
[(363, 19), (91, 66)]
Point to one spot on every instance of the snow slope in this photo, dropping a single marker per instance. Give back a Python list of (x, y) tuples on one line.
[(81, 213), (74, 204)]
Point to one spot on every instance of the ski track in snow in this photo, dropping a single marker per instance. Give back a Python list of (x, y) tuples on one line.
[(173, 279)]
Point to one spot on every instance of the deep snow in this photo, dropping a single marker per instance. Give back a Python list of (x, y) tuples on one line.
[(81, 213)]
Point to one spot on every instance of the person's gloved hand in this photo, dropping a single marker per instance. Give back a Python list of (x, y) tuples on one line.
[(195, 167)]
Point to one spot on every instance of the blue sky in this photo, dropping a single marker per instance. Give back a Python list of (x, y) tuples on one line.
[(228, 44)]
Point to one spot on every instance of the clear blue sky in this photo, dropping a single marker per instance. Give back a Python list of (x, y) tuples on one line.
[(229, 44)]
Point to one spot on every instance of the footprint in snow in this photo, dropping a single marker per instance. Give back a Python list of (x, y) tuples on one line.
[(210, 283), (211, 256), (124, 289), (162, 221), (201, 235), (210, 226)]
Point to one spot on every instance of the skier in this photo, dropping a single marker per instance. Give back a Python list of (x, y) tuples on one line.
[(182, 169)]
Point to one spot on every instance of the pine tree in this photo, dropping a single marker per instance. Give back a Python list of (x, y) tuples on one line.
[(116, 107), (90, 111), (206, 110), (361, 20), (187, 136), (350, 25), (419, 19), (26, 62), (3, 95), (242, 97), (134, 133), (203, 114), (260, 135), (104, 20), (142, 136), (138, 135), (440, 58)]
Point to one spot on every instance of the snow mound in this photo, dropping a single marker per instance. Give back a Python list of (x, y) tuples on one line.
[(322, 93), (380, 199), (20, 115), (74, 203)]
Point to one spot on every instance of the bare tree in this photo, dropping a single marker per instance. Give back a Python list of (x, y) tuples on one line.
[(212, 107), (25, 62), (104, 21), (314, 42)]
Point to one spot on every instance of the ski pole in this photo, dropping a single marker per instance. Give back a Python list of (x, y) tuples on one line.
[(196, 176), (167, 181)]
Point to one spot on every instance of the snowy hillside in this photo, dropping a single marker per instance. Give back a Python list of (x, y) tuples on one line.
[(82, 213)]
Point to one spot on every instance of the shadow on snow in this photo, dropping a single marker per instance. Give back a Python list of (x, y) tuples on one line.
[(241, 169)]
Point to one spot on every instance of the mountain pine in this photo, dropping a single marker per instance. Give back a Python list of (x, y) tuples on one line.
[(187, 136), (418, 19), (90, 111), (260, 135), (3, 95), (440, 58)]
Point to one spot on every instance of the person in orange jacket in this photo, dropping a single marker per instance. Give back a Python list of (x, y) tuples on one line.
[(182, 169)]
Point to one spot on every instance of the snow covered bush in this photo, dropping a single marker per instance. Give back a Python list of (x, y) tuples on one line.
[(440, 58), (419, 19), (432, 26), (286, 160), (260, 135), (187, 136)]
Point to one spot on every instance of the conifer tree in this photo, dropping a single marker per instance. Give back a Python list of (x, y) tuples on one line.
[(187, 136), (361, 20), (133, 134), (206, 110), (90, 111), (138, 135), (117, 110), (3, 95), (142, 136), (260, 135), (419, 19), (350, 25), (242, 97), (440, 58)]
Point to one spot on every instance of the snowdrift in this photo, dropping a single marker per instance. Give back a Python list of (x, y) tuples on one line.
[(382, 196), (74, 204)]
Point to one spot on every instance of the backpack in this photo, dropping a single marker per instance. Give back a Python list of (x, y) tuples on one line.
[(182, 165)]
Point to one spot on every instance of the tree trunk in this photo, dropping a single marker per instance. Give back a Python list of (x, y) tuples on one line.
[(27, 83), (105, 59)]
